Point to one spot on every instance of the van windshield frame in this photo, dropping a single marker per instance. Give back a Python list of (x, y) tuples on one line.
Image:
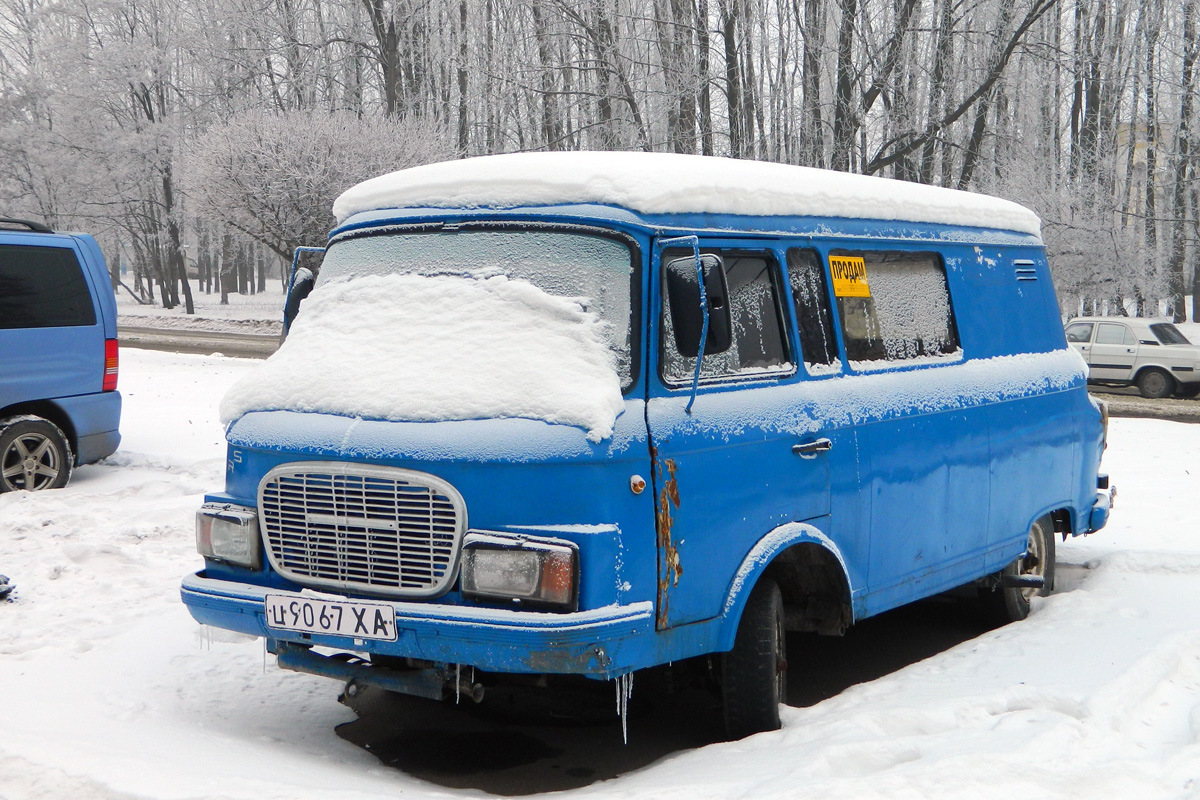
[(628, 354)]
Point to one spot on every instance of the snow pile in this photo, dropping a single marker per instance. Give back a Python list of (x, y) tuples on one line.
[(421, 349), (669, 183)]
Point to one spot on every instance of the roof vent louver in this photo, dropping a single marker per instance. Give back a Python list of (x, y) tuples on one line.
[(1025, 269)]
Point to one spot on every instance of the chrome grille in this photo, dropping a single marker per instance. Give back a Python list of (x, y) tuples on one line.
[(380, 530)]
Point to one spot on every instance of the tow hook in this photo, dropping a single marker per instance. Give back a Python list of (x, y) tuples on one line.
[(468, 688)]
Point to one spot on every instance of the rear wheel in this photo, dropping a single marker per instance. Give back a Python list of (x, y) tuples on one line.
[(1155, 383), (34, 455), (1006, 604), (754, 672)]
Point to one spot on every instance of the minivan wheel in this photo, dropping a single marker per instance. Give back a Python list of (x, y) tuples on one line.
[(34, 455), (1006, 604), (1155, 383), (754, 672)]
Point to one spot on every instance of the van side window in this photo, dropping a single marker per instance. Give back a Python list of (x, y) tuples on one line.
[(811, 298), (1079, 332), (759, 343), (893, 305), (43, 287)]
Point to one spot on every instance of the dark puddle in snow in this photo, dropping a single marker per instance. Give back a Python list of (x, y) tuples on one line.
[(526, 740)]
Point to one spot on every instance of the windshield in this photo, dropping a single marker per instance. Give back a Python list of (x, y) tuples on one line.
[(596, 271), (1168, 333)]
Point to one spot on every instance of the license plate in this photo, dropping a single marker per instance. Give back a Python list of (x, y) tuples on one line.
[(335, 617)]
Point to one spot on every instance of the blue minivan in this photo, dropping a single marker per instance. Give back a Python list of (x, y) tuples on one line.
[(592, 413), (59, 405)]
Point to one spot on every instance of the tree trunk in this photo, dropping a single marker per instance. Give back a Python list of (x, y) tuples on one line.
[(1175, 278), (228, 267), (176, 262), (387, 53), (705, 98), (812, 133), (733, 79), (844, 123), (1151, 203), (943, 51)]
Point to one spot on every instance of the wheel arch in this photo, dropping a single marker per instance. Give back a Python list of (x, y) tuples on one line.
[(1144, 368), (51, 412), (811, 573), (1065, 517)]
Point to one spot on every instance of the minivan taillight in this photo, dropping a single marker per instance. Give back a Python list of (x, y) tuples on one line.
[(110, 366)]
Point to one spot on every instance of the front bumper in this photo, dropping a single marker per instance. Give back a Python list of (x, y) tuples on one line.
[(602, 643), (1101, 509)]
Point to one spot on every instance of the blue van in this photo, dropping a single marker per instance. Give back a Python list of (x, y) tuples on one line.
[(815, 397), (59, 405)]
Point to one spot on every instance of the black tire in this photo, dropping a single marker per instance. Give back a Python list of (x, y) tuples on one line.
[(1005, 604), (754, 672), (1155, 384), (1188, 391), (34, 455)]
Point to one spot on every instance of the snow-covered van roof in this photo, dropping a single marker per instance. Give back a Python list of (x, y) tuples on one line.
[(671, 183)]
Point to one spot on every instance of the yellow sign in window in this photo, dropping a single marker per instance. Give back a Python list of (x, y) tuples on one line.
[(849, 276)]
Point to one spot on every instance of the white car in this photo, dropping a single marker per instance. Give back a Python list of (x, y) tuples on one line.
[(1148, 353)]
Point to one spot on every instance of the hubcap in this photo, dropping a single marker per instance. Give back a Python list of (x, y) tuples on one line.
[(31, 462)]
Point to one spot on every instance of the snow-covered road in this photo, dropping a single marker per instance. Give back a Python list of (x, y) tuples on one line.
[(109, 690)]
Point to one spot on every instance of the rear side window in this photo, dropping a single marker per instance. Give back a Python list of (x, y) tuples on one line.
[(893, 306), (806, 278), (43, 287), (759, 342), (1168, 333), (1114, 333)]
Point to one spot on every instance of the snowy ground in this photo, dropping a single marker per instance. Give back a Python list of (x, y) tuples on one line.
[(109, 690), (252, 313)]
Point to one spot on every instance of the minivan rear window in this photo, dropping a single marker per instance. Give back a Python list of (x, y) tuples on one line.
[(43, 287), (894, 306)]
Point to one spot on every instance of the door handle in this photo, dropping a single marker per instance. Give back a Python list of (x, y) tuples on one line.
[(810, 449)]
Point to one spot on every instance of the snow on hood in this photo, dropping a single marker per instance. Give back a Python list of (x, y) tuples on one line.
[(666, 183), (412, 348)]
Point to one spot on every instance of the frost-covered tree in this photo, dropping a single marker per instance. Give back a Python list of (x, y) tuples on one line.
[(274, 176)]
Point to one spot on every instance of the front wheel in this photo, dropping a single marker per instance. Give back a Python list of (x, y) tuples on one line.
[(34, 455), (754, 672), (1005, 604)]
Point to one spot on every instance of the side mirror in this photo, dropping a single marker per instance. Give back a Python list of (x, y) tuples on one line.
[(687, 313), (302, 284)]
